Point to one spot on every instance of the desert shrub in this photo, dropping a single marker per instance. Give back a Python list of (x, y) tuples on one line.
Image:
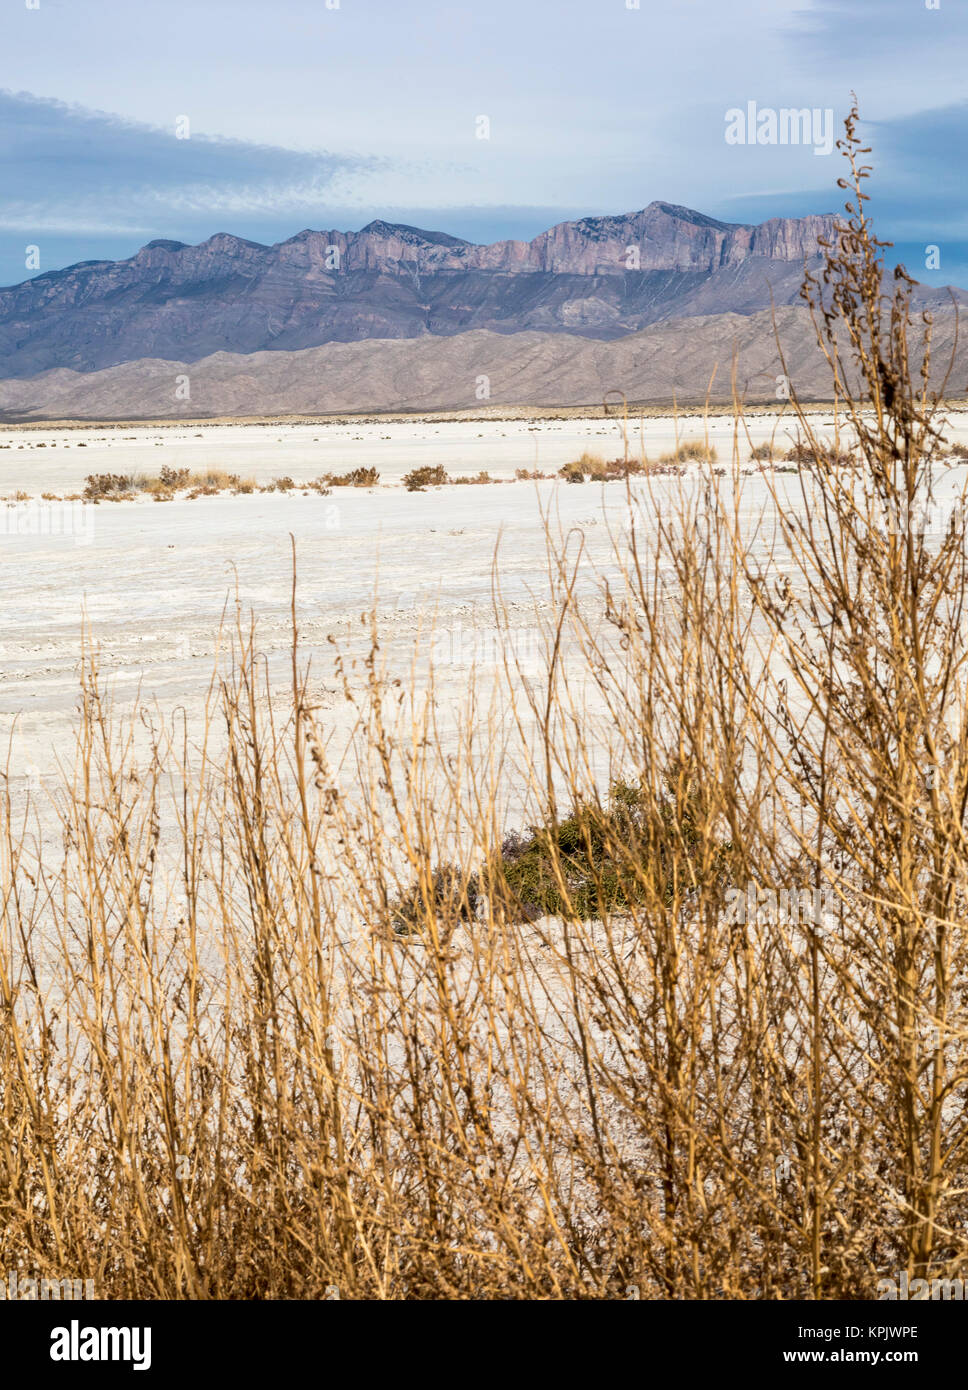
[(171, 479), (605, 858), (687, 451), (447, 893), (428, 476), (599, 470), (816, 450), (697, 449), (164, 485), (106, 485), (216, 478), (474, 479), (624, 468), (592, 465), (572, 472), (595, 861), (356, 477), (588, 465)]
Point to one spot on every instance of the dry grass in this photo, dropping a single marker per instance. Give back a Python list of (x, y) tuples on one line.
[(689, 451), (122, 487), (419, 479), (227, 1072), (598, 470), (356, 477), (480, 479)]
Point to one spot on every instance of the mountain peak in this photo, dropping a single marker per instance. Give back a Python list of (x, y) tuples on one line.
[(600, 277), (410, 234), (227, 241), (698, 219)]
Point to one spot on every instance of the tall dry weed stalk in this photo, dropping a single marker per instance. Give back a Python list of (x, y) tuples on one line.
[(279, 1020)]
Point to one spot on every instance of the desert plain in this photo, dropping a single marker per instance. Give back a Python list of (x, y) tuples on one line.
[(152, 585)]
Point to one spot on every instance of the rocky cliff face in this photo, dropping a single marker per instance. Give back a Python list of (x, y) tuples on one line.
[(601, 277)]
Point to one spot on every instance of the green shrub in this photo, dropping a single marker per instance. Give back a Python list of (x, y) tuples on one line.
[(598, 860)]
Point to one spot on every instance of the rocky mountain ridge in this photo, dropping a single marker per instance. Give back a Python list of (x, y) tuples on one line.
[(599, 277)]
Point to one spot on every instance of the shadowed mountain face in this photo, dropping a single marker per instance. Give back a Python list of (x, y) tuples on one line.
[(688, 360), (600, 278)]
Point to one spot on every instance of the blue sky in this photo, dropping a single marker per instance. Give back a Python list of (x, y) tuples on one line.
[(309, 113)]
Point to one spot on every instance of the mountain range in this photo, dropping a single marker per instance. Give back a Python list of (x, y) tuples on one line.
[(221, 310)]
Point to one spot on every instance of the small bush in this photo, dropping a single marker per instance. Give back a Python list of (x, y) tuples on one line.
[(173, 478), (419, 478), (803, 453), (451, 893), (356, 477), (475, 478), (572, 473), (596, 860), (110, 485), (690, 451), (589, 465), (697, 449), (598, 469), (592, 863)]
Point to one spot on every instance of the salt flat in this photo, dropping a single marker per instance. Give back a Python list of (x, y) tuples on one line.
[(51, 459), (154, 579)]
